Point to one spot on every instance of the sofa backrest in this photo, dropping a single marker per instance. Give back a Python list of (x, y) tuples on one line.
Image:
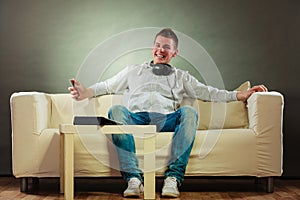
[(61, 109), (219, 115), (64, 108), (211, 115)]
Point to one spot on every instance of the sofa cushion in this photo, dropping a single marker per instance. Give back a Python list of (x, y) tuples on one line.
[(61, 110), (219, 115)]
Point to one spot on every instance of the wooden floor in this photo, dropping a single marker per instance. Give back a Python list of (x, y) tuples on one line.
[(192, 188)]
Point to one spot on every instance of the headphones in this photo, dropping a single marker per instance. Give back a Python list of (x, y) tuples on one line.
[(161, 69)]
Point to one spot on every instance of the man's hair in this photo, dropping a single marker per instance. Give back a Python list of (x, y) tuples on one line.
[(168, 33)]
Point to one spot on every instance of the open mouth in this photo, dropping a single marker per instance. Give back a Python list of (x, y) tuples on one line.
[(160, 56)]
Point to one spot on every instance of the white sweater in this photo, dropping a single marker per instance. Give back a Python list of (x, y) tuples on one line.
[(145, 91)]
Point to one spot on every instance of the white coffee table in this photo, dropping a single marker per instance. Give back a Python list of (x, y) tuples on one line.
[(67, 132)]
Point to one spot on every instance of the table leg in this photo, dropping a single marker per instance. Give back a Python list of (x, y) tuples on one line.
[(149, 166), (68, 167), (61, 172)]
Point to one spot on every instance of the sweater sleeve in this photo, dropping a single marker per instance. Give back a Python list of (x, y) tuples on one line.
[(114, 85), (198, 90)]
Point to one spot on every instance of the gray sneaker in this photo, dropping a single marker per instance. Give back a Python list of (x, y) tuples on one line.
[(170, 188), (134, 189)]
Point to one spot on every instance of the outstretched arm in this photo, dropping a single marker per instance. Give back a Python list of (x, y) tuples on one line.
[(244, 95)]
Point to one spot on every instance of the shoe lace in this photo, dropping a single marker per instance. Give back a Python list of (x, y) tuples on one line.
[(171, 182), (134, 183)]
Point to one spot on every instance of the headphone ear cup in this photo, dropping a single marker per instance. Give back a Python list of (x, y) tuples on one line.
[(162, 69)]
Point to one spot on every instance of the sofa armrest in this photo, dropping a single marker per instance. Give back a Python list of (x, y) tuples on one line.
[(265, 112), (30, 111)]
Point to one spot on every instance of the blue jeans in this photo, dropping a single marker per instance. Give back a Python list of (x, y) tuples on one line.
[(183, 122)]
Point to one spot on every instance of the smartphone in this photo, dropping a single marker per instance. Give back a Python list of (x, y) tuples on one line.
[(74, 86), (73, 83)]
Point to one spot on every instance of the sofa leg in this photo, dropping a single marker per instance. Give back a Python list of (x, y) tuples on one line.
[(270, 185), (257, 180), (35, 183), (24, 184)]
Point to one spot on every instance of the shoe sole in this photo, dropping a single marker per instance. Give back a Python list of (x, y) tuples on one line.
[(131, 195), (170, 195)]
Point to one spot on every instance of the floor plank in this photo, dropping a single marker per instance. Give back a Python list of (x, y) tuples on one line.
[(192, 188)]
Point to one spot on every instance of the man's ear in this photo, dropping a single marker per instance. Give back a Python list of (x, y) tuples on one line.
[(175, 53)]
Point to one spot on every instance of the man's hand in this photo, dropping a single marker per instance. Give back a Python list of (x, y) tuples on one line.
[(244, 95), (79, 92)]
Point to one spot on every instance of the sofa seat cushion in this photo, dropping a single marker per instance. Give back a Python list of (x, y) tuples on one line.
[(95, 154)]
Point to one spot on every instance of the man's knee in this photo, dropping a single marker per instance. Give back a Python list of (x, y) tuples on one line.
[(116, 110), (189, 111)]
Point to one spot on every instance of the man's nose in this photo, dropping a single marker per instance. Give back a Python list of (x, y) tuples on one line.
[(161, 49)]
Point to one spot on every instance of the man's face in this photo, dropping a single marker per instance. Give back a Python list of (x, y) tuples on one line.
[(163, 50)]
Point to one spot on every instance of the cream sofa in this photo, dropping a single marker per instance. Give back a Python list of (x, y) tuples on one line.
[(233, 139)]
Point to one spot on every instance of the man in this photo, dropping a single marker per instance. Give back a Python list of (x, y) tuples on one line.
[(153, 92)]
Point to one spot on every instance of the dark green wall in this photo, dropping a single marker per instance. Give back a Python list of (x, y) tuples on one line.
[(43, 43)]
